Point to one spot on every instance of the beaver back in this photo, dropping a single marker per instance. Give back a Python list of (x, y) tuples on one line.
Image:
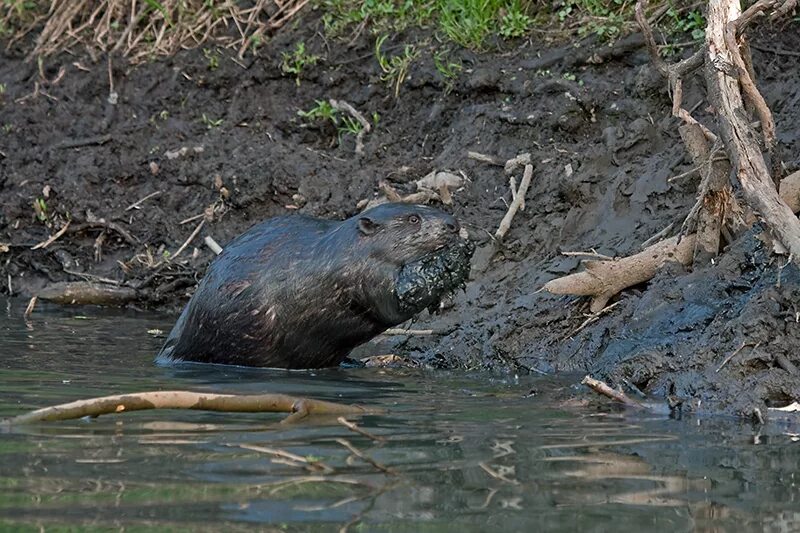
[(301, 292)]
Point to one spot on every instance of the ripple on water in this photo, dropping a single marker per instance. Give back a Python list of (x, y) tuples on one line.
[(468, 452)]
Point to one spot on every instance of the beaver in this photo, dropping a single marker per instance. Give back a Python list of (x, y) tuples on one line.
[(301, 292)]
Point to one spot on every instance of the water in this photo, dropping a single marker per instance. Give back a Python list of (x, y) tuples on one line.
[(468, 452)]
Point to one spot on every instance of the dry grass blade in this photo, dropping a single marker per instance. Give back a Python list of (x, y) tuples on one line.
[(143, 29)]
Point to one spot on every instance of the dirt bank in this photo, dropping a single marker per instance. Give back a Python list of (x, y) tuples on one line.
[(190, 136)]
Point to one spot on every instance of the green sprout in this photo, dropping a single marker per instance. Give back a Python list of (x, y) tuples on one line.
[(212, 58), (395, 68), (210, 122), (296, 61)]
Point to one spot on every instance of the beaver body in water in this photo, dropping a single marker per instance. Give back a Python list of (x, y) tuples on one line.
[(302, 292)]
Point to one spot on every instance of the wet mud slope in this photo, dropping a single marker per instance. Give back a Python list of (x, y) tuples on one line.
[(187, 143)]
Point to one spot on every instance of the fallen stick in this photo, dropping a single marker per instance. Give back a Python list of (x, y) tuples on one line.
[(735, 353), (341, 105), (88, 141), (401, 331), (202, 401), (290, 458), (601, 388), (366, 458), (53, 238), (188, 240), (137, 203), (477, 156), (505, 224), (352, 426), (102, 224), (497, 475), (31, 306)]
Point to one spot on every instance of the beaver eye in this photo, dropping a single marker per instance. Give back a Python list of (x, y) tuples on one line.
[(413, 219)]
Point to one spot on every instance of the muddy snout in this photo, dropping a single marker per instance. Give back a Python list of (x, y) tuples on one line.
[(448, 230)]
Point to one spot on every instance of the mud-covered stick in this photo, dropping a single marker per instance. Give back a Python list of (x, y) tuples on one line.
[(516, 203), (601, 388), (202, 401)]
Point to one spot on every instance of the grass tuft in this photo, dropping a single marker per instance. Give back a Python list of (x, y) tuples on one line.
[(141, 30)]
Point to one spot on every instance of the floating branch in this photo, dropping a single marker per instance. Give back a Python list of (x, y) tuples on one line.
[(201, 401)]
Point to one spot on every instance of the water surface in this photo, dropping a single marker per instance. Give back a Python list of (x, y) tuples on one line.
[(465, 452)]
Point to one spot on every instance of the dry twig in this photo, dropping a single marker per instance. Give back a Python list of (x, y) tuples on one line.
[(140, 30), (366, 127), (516, 203), (53, 238), (735, 353), (138, 203), (497, 475), (352, 426), (293, 458)]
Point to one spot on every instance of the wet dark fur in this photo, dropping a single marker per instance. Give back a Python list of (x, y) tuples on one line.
[(301, 292)]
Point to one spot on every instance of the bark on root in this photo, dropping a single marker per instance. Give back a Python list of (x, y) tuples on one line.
[(604, 279), (725, 93), (728, 73)]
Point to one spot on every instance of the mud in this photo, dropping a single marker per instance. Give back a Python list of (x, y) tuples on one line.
[(600, 134)]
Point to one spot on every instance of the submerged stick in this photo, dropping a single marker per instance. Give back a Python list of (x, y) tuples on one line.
[(601, 388), (202, 401)]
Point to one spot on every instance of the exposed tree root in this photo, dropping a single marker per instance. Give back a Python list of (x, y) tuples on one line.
[(203, 401), (716, 213), (737, 133), (603, 279)]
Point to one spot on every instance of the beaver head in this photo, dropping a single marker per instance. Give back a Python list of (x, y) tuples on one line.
[(414, 257), (404, 233)]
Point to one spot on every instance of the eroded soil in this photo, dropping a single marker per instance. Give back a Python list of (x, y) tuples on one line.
[(602, 138)]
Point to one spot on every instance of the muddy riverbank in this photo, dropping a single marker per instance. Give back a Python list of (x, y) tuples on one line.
[(191, 140)]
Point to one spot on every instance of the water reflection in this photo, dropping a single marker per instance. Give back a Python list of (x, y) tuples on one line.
[(454, 451)]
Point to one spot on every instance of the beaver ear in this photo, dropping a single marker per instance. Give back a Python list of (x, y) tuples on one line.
[(367, 226)]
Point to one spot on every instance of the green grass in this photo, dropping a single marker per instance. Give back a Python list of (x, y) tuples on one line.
[(16, 13), (478, 24), (395, 67), (467, 22), (296, 62), (324, 112), (447, 68)]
